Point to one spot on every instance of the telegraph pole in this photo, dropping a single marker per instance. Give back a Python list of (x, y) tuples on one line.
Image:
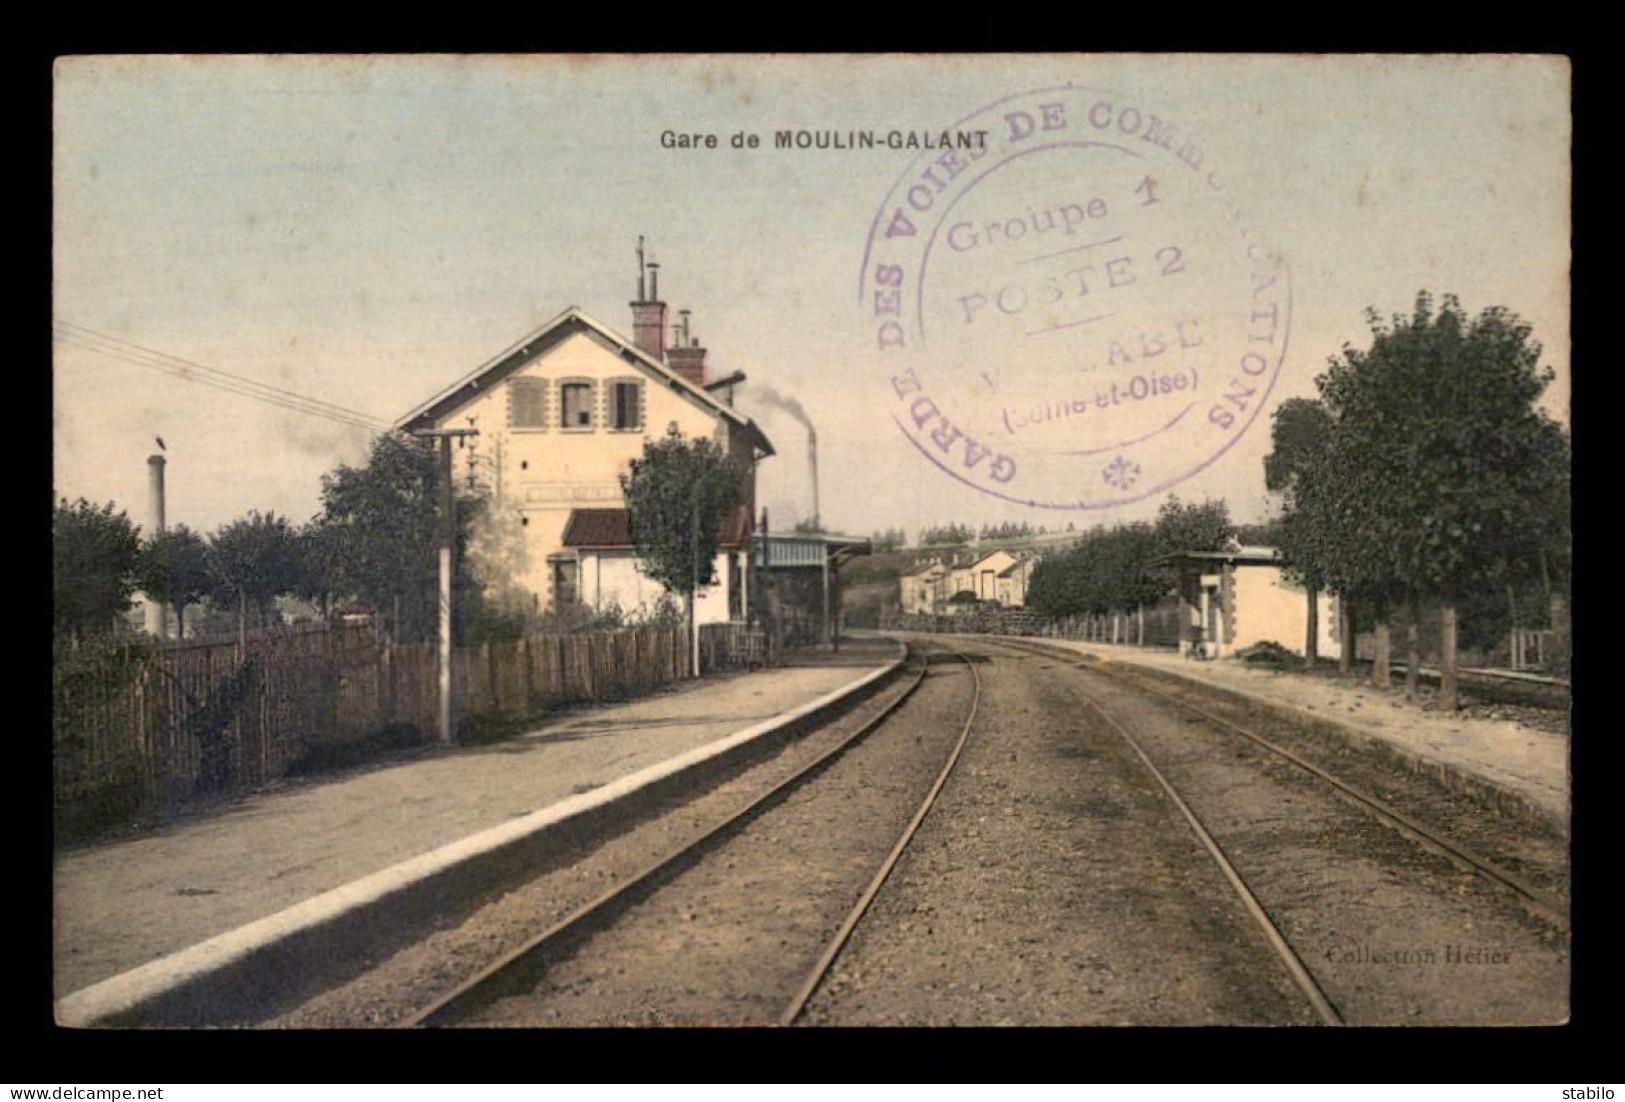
[(694, 585), (447, 533)]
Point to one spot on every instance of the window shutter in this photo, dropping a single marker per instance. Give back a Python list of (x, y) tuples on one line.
[(527, 404)]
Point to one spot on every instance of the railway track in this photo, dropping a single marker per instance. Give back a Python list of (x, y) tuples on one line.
[(519, 970), (555, 968), (1549, 907), (1552, 908), (1289, 959)]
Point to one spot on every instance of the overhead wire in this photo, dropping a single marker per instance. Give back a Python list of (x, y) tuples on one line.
[(193, 371)]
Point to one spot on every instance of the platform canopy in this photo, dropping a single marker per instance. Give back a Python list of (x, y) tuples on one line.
[(808, 549), (1236, 556)]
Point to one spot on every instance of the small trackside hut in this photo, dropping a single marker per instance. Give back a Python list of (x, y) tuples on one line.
[(800, 583), (1234, 599)]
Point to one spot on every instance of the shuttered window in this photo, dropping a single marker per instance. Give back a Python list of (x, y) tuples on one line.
[(626, 411), (527, 404), (575, 405)]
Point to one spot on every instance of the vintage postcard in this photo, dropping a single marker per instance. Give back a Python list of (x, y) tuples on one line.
[(1074, 539)]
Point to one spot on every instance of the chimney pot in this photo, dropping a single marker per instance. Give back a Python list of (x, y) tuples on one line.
[(649, 314)]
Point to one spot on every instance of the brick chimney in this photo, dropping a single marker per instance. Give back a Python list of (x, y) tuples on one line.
[(686, 357), (648, 312)]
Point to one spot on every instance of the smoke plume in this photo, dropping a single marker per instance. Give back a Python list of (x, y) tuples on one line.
[(770, 397)]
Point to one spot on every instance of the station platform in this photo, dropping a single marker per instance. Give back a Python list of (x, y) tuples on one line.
[(134, 915), (1509, 765)]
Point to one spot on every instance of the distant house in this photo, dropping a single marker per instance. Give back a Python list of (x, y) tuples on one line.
[(561, 414), (922, 590), (998, 575), (961, 578), (983, 573), (1233, 599), (1013, 579)]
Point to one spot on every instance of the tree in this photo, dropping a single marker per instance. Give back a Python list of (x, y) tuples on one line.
[(677, 496), (889, 539), (1299, 433), (1185, 526), (93, 559), (319, 550), (1438, 476), (253, 561), (1109, 572), (946, 535), (380, 520), (173, 568)]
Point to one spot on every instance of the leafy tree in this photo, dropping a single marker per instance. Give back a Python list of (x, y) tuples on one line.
[(1265, 533), (1109, 572), (1134, 549), (251, 562), (947, 535), (1006, 530), (319, 551), (1183, 526), (1298, 438), (1438, 477), (677, 497), (1300, 432), (93, 560), (381, 521), (890, 539), (173, 568)]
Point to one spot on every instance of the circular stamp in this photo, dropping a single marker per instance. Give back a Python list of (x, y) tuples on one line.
[(1070, 308)]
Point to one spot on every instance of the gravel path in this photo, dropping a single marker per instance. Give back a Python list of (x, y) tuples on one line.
[(1492, 742)]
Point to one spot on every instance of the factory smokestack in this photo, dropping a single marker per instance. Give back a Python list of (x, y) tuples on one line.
[(789, 405), (154, 614), (812, 465)]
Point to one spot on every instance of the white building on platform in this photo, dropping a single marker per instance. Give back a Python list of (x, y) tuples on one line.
[(562, 412), (1233, 599)]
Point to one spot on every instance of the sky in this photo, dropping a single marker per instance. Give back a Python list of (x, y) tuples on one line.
[(362, 231)]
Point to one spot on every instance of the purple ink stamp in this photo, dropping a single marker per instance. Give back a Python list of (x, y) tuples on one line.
[(1072, 313)]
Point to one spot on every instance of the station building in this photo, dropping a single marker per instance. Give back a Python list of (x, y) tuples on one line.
[(560, 415)]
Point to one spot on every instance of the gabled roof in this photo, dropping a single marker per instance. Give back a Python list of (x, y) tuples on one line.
[(573, 320), (597, 528), (989, 555), (924, 568), (1240, 556), (609, 529)]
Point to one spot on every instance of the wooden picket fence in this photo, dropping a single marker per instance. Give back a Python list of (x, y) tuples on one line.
[(140, 731)]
